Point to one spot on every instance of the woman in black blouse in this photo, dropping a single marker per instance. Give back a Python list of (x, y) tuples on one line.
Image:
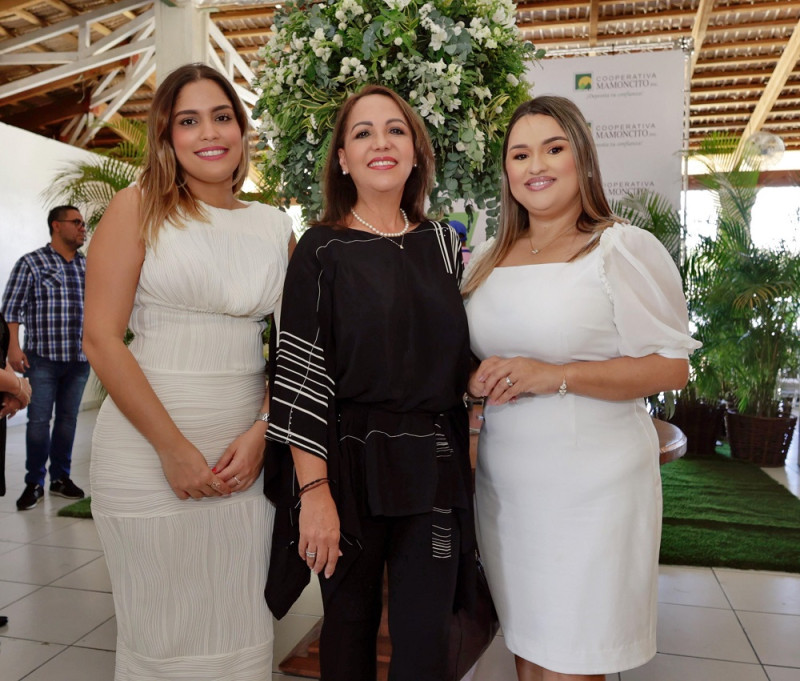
[(371, 369)]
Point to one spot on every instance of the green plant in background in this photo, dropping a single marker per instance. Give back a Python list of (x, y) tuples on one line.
[(92, 184), (745, 300), (459, 63)]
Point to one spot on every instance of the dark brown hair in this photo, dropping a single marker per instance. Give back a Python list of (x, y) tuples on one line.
[(339, 191)]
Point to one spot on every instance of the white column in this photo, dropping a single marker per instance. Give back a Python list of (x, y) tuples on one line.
[(181, 35)]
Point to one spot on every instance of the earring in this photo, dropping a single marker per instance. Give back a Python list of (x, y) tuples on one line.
[(415, 165), (344, 172)]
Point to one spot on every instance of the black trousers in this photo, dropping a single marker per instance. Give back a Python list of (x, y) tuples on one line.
[(421, 592)]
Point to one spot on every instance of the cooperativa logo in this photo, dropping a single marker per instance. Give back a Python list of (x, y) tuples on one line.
[(583, 81)]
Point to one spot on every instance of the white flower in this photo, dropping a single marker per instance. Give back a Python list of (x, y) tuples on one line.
[(338, 40), (512, 79), (398, 41), (491, 43), (460, 146), (367, 18)]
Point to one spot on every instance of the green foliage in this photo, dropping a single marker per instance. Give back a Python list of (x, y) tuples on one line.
[(459, 63), (744, 300), (91, 185), (657, 215)]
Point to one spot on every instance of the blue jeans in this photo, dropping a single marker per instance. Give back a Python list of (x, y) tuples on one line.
[(58, 384)]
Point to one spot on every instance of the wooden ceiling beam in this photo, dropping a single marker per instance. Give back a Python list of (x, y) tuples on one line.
[(58, 111), (594, 15), (240, 14), (72, 12), (699, 30), (32, 19), (11, 6), (780, 75)]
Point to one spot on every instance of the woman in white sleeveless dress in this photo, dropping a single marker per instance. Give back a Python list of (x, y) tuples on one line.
[(576, 318), (179, 443)]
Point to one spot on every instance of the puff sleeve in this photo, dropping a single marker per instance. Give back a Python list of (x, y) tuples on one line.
[(646, 293)]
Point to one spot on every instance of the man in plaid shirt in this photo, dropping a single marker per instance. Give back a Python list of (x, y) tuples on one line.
[(45, 295)]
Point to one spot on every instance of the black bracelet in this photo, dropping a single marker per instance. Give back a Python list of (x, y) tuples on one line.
[(308, 486)]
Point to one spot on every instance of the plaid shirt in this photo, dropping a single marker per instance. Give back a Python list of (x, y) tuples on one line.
[(45, 293)]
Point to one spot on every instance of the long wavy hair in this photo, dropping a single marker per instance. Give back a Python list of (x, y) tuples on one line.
[(596, 214), (167, 197), (339, 191)]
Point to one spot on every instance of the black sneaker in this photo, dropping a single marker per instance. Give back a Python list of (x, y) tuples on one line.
[(32, 495), (66, 488)]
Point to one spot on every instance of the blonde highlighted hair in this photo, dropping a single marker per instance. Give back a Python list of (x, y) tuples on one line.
[(166, 195), (596, 214)]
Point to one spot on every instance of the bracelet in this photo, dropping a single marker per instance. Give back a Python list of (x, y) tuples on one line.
[(312, 485), (562, 389)]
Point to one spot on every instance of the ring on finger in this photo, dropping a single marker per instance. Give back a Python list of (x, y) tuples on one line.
[(311, 554), (509, 382), (215, 484), (238, 482)]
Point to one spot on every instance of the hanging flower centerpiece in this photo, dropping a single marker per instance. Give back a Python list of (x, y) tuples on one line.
[(459, 63)]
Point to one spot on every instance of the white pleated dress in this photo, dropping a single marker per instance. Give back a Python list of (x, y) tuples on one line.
[(188, 576), (568, 490)]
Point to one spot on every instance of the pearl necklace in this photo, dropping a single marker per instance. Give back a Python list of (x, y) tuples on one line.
[(366, 224)]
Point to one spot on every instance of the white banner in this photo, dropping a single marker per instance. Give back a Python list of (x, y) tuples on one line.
[(635, 106)]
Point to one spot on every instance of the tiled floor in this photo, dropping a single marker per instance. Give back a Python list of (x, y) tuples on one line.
[(714, 624)]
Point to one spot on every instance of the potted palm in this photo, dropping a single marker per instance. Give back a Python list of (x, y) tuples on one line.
[(745, 301)]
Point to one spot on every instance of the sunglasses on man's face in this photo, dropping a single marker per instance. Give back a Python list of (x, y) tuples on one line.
[(76, 221)]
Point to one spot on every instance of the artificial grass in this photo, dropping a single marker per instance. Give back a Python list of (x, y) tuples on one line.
[(720, 512), (80, 509)]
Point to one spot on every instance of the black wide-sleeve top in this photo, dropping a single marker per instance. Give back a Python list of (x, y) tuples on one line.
[(371, 367)]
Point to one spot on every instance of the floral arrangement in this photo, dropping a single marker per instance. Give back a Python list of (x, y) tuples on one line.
[(459, 63)]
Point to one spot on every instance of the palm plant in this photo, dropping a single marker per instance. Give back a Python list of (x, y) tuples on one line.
[(91, 185), (745, 299)]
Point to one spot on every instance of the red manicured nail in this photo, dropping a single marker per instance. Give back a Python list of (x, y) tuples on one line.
[(214, 470)]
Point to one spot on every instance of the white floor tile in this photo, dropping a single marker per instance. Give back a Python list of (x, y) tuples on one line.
[(682, 585), (6, 546), (102, 638), (77, 664), (782, 674), (288, 632), (28, 526), (57, 615), (678, 668), (761, 591), (13, 591), (19, 658), (91, 577), (79, 535), (33, 564), (702, 632), (497, 664), (310, 601), (774, 637)]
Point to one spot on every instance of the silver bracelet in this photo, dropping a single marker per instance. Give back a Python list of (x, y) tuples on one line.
[(562, 389)]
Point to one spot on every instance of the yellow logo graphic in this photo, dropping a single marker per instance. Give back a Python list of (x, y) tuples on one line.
[(583, 81)]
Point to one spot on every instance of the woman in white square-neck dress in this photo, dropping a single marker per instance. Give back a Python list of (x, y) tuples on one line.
[(576, 317)]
